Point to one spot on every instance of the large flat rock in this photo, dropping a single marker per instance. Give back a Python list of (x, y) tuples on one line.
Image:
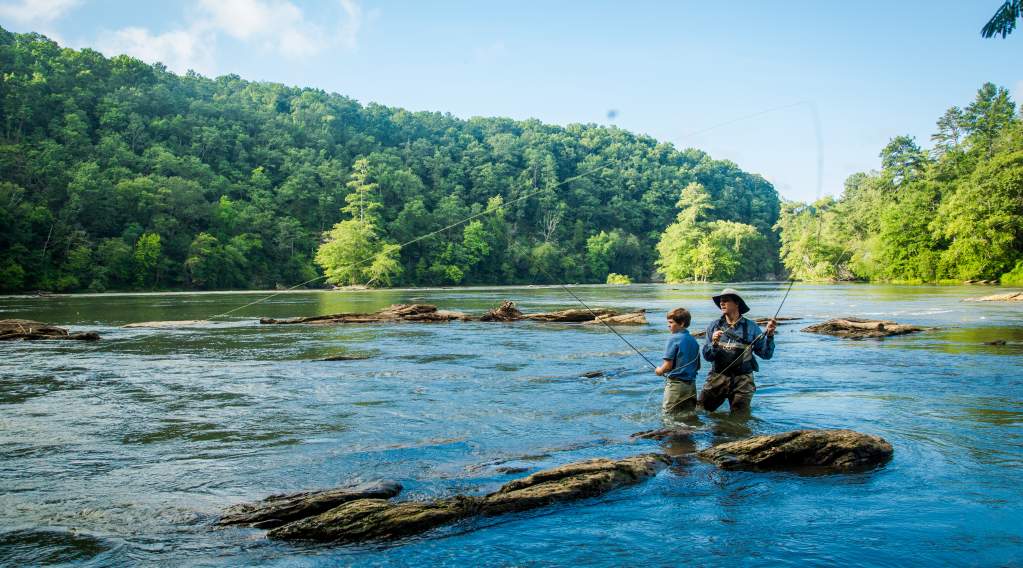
[(376, 519), (832, 450), (856, 328)]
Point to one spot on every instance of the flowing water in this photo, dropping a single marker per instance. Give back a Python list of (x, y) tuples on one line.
[(124, 451)]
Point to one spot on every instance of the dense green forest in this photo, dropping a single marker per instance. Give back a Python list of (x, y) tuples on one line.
[(954, 212), (116, 175)]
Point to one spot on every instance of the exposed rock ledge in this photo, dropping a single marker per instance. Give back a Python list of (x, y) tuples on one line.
[(14, 329), (856, 328), (363, 513), (1009, 297), (377, 519), (277, 510), (828, 450)]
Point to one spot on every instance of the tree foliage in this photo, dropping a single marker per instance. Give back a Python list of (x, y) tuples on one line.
[(115, 174), (953, 216)]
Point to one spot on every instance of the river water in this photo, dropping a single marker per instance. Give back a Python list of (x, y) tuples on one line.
[(124, 451)]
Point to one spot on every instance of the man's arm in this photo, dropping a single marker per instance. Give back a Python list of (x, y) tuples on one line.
[(764, 346), (709, 342)]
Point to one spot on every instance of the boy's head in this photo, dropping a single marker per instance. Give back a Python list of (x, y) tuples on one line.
[(681, 317)]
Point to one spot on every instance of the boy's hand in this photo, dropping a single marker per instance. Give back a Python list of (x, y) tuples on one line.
[(771, 326), (717, 336)]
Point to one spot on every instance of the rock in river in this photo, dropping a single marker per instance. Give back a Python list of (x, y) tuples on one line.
[(506, 312), (574, 315), (832, 450), (278, 510), (13, 329), (634, 318), (377, 519), (396, 313), (855, 328), (1009, 297)]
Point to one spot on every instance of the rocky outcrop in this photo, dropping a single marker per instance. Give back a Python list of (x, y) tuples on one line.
[(19, 329), (278, 510), (855, 328), (397, 313), (1009, 297), (574, 315), (505, 312), (634, 318), (376, 519), (821, 450)]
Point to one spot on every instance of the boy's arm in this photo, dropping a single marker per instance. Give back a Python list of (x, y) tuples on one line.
[(670, 352)]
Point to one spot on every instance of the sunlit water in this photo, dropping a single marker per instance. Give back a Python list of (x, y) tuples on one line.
[(124, 451)]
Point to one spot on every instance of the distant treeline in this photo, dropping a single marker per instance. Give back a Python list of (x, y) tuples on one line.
[(115, 174), (952, 213)]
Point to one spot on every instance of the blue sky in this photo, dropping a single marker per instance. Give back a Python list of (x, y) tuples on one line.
[(873, 70)]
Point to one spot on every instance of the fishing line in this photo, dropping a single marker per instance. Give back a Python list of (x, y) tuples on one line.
[(815, 118)]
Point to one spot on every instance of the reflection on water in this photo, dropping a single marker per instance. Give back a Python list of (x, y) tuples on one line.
[(125, 454)]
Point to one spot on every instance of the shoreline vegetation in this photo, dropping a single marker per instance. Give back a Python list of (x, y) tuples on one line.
[(119, 175)]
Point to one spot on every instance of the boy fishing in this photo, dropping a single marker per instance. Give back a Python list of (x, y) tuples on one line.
[(681, 362)]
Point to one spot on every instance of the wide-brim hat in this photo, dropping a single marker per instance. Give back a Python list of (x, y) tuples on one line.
[(743, 308)]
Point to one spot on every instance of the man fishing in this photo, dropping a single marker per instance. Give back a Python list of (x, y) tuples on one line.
[(730, 344)]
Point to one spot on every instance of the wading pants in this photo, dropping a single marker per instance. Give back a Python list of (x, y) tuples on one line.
[(737, 390), (679, 396)]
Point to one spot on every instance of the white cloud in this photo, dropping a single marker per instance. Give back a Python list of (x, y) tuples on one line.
[(35, 12), (179, 50), (273, 26), (280, 26)]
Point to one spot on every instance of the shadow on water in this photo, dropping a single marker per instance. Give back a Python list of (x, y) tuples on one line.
[(33, 547)]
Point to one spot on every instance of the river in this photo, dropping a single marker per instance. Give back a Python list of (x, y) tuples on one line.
[(124, 451)]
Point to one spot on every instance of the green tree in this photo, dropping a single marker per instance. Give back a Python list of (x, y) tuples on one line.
[(1004, 20), (355, 255), (147, 257)]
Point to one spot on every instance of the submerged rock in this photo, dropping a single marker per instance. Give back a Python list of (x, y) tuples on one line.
[(505, 312), (377, 519), (166, 324), (574, 315), (1009, 297), (395, 313), (833, 450), (278, 510), (856, 328), (19, 329), (634, 318), (663, 433), (345, 357)]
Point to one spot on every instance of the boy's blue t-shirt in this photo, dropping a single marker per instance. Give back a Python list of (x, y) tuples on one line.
[(684, 353)]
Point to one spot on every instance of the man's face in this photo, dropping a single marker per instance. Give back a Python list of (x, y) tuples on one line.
[(729, 305)]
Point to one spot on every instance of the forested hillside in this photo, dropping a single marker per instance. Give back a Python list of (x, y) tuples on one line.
[(954, 212), (115, 175)]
